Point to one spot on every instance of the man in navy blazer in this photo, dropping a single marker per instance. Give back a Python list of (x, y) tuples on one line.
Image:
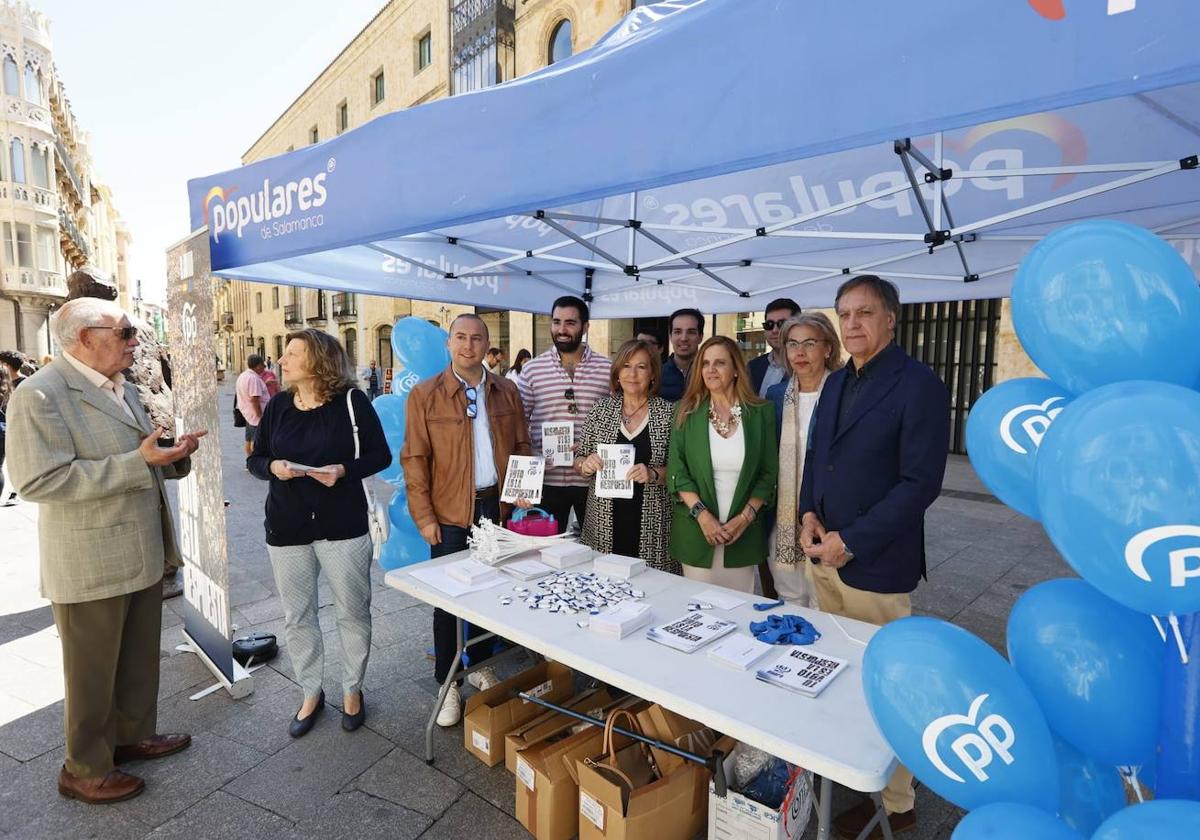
[(876, 458), (763, 373)]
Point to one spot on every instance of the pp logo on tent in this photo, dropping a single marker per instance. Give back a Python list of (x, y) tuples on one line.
[(1055, 10), (1034, 426), (1181, 572), (975, 749)]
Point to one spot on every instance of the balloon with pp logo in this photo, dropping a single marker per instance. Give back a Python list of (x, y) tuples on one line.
[(1089, 792), (1118, 478), (1162, 819), (1012, 821), (1004, 430), (420, 348), (1102, 301), (958, 715), (1095, 667)]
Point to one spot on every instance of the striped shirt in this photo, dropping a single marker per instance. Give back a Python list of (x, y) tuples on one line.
[(543, 384)]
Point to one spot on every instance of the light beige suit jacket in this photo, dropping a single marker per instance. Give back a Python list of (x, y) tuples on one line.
[(104, 523)]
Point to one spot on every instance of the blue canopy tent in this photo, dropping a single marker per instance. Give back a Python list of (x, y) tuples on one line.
[(719, 153)]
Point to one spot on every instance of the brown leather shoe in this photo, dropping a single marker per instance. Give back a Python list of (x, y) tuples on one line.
[(115, 787), (156, 746), (850, 823)]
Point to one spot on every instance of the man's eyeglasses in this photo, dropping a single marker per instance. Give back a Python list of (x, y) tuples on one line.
[(472, 403), (769, 325), (807, 345), (569, 396), (123, 333)]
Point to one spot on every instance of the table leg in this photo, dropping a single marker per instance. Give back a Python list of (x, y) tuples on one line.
[(881, 816), (441, 698), (825, 809)]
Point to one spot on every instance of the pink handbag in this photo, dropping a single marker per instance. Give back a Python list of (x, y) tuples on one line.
[(542, 525)]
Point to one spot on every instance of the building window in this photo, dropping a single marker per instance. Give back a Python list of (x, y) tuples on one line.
[(33, 85), (258, 302), (24, 246), (560, 42), (274, 297), (350, 340), (41, 168), (9, 256), (278, 347), (314, 136), (18, 161), (424, 51), (383, 352), (12, 80), (47, 249), (378, 89), (343, 117)]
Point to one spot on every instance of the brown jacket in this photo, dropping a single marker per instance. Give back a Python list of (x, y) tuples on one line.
[(439, 453)]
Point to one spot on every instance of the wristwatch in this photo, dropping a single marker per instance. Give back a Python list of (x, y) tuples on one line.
[(697, 509)]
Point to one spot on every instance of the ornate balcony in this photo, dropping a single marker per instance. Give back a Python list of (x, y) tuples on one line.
[(291, 315), (345, 307)]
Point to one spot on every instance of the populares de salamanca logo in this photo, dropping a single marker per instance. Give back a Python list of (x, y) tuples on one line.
[(1056, 9), (1179, 558), (975, 748), (1034, 425), (225, 212)]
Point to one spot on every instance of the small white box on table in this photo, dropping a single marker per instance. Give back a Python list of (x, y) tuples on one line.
[(566, 554), (619, 566)]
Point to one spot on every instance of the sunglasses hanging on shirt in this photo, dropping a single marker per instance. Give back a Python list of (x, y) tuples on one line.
[(472, 403), (569, 396)]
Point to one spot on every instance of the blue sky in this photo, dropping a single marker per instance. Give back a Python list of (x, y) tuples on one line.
[(171, 90)]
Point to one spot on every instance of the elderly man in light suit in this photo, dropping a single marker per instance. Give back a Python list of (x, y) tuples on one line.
[(82, 447)]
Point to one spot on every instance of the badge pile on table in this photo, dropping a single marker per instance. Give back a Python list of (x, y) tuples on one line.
[(573, 592)]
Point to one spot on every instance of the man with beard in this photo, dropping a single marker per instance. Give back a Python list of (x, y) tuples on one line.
[(560, 386)]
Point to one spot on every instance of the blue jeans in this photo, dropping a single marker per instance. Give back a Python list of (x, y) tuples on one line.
[(445, 636)]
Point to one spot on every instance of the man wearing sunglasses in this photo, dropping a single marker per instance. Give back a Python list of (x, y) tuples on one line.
[(462, 426), (560, 386), (763, 371), (82, 447)]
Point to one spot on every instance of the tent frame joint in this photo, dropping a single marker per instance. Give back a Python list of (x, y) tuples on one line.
[(1190, 162), (971, 278), (631, 271)]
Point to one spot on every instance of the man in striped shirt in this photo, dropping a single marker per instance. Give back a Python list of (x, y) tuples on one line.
[(560, 387)]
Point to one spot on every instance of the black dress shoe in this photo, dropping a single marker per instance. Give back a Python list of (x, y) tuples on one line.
[(300, 726), (352, 722)]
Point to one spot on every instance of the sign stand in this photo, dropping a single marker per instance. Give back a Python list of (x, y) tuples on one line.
[(242, 684)]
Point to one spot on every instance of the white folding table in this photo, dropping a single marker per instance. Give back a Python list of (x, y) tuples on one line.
[(832, 735)]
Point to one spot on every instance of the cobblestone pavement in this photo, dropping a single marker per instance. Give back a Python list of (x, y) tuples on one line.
[(245, 778)]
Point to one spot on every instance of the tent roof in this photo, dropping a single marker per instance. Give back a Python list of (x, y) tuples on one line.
[(719, 153)]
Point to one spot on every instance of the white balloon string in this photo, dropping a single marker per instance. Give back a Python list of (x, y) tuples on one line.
[(1174, 620), (1130, 775), (1161, 631), (854, 639)]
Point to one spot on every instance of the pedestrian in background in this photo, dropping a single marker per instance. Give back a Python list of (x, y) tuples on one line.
[(316, 444), (633, 414), (723, 467), (251, 397)]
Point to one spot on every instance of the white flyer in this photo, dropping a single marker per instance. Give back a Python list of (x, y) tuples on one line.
[(610, 481), (523, 479), (558, 440)]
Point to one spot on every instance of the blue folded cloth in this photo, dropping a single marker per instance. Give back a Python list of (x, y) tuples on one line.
[(785, 630)]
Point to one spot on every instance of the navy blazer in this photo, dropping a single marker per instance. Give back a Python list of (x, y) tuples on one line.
[(758, 370), (872, 479)]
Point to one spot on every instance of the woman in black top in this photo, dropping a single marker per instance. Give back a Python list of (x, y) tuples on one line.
[(317, 512)]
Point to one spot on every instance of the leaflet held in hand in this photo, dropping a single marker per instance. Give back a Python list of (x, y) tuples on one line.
[(558, 440), (523, 479), (611, 482), (690, 632), (803, 671)]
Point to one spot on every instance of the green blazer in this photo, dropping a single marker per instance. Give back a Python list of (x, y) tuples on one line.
[(689, 467)]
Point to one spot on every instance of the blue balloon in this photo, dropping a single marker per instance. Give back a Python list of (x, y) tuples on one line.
[(1095, 667), (958, 715), (392, 410), (1005, 429), (1012, 821), (1102, 301), (1118, 478), (420, 348), (1089, 792), (1179, 737), (398, 513), (1162, 819), (403, 548)]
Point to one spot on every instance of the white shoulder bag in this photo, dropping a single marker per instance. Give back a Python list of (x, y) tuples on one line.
[(377, 515)]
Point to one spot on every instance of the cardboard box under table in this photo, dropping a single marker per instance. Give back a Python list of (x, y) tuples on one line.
[(492, 714), (549, 724), (738, 817)]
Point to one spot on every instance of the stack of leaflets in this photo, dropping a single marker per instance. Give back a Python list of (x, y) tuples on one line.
[(739, 651), (563, 555), (619, 566), (526, 569), (803, 671), (691, 632), (619, 621), (471, 572)]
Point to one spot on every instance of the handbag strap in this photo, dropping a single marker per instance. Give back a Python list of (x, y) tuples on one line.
[(353, 419)]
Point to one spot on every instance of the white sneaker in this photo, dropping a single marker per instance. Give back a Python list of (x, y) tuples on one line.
[(451, 712), (484, 678)]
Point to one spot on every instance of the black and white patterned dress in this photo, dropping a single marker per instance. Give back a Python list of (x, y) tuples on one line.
[(603, 425)]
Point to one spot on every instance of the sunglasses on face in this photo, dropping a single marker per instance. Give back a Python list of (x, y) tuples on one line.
[(472, 403), (123, 333), (569, 396), (769, 325)]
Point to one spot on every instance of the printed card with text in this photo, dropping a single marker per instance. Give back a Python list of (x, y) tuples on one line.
[(523, 479), (611, 482), (557, 442)]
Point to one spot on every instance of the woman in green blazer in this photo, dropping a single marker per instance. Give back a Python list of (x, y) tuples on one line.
[(721, 470)]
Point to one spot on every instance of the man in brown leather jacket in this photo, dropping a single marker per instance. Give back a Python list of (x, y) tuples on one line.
[(461, 427)]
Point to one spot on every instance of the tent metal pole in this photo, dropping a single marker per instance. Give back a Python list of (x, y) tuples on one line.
[(1082, 169), (591, 246), (698, 266), (577, 217), (518, 254), (907, 153), (516, 272)]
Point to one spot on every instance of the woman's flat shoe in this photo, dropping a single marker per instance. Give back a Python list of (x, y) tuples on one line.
[(300, 726), (352, 722)]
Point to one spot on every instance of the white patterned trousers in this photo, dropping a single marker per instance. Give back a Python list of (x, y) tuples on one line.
[(347, 567)]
